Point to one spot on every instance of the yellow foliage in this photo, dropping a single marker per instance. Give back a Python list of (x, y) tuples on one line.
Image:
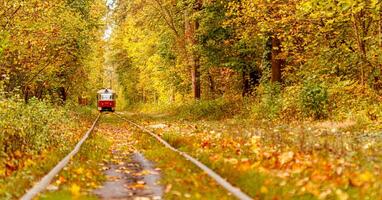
[(264, 189), (75, 189), (79, 170)]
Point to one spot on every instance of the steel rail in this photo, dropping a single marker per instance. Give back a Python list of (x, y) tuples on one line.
[(45, 181), (220, 180)]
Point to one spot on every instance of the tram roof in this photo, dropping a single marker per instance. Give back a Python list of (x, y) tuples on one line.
[(106, 90)]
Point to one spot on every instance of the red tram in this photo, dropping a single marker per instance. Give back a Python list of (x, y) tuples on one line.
[(106, 100)]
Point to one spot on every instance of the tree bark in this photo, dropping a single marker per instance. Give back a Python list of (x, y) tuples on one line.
[(251, 78), (194, 59), (195, 75), (211, 85), (275, 61), (63, 94), (245, 84)]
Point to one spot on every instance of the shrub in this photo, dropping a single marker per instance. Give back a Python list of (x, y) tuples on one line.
[(31, 128), (211, 109), (290, 105), (269, 101), (314, 100)]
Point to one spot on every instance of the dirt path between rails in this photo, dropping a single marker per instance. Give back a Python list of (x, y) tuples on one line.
[(129, 174)]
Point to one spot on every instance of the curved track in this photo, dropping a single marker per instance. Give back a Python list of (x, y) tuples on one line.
[(220, 180)]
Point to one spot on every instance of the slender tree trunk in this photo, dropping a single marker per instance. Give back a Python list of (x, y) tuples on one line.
[(360, 32), (63, 94), (26, 94), (211, 84), (245, 83), (194, 60), (195, 75), (275, 61), (172, 96), (251, 78)]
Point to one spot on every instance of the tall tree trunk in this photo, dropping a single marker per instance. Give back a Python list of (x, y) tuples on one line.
[(275, 61), (194, 60), (63, 94), (195, 75), (251, 78), (26, 92), (211, 85), (245, 83)]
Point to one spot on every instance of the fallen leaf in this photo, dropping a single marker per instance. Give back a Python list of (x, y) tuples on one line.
[(176, 193), (342, 195), (17, 154), (168, 188), (75, 189), (286, 157), (2, 171), (79, 170), (264, 189), (232, 161)]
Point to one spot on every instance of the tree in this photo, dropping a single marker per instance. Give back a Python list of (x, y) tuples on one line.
[(45, 45)]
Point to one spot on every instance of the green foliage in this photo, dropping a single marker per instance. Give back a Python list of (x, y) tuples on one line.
[(45, 47), (314, 100), (268, 102), (4, 40), (213, 109), (31, 128)]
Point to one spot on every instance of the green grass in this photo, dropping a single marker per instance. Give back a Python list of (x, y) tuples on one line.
[(65, 195)]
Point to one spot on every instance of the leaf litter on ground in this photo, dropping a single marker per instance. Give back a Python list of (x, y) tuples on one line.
[(297, 160)]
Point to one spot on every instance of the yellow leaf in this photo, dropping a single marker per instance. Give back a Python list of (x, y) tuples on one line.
[(17, 154), (232, 161), (361, 179), (79, 170), (2, 171), (286, 157), (342, 195), (29, 162), (312, 188), (264, 189), (75, 189), (366, 176)]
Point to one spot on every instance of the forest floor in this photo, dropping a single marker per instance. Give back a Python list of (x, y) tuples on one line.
[(267, 160), (114, 164), (272, 160)]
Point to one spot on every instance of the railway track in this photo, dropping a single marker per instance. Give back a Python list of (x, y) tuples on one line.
[(220, 180), (46, 180)]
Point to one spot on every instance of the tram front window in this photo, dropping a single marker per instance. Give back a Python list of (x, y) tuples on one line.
[(106, 97)]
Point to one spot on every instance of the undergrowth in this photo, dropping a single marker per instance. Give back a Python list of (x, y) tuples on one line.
[(195, 110), (310, 101), (29, 129), (37, 130)]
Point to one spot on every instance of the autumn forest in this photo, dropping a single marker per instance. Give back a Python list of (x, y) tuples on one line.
[(281, 98)]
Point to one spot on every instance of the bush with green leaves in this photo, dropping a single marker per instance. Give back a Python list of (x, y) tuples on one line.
[(31, 128), (268, 103), (314, 100), (208, 109)]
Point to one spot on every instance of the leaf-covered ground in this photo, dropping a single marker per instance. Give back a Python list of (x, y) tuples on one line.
[(320, 160), (111, 146), (267, 160), (38, 136)]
